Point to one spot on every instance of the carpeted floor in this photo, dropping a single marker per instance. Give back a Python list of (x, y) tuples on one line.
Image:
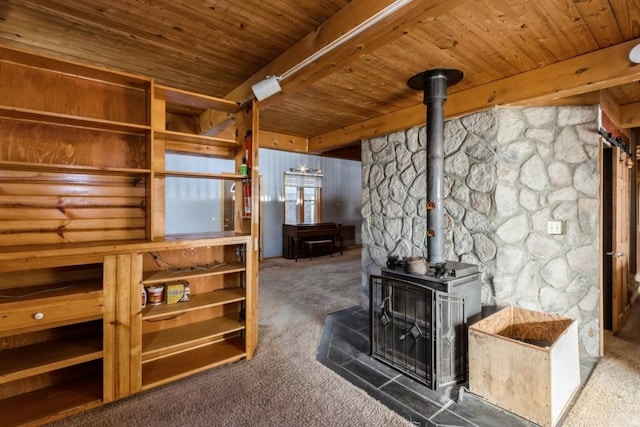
[(611, 397), (284, 385)]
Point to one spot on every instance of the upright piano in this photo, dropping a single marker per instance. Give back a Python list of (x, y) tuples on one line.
[(294, 234)]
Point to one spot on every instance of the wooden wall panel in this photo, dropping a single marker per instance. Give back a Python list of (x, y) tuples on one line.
[(70, 208), (63, 145), (38, 89)]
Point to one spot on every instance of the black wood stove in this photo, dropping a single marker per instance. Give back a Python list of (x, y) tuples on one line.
[(419, 321)]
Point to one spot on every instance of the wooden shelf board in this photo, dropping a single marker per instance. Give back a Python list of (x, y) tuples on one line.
[(178, 366), (96, 249), (73, 68), (219, 238), (196, 139), (41, 167), (182, 174), (195, 334), (47, 404), (191, 272), (191, 99), (44, 294), (26, 114), (197, 302), (48, 356)]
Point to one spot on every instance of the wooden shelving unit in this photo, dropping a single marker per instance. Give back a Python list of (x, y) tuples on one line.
[(215, 312), (84, 169), (35, 359), (51, 403), (166, 370), (51, 333)]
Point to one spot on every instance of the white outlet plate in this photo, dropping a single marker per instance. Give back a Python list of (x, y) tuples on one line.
[(554, 227)]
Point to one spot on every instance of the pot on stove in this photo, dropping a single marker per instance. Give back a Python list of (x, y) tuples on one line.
[(416, 265)]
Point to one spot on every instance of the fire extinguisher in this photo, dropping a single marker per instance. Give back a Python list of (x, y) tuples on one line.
[(246, 191), (247, 148)]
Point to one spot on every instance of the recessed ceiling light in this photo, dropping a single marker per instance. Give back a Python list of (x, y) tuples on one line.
[(634, 55)]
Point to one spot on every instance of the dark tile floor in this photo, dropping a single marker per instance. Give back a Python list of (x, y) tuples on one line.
[(344, 348)]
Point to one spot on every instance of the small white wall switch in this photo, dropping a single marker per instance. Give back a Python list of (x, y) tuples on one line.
[(554, 227)]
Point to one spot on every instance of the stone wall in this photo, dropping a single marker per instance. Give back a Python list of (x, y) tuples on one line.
[(507, 172)]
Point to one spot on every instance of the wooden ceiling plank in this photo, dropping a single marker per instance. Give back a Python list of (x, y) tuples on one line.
[(586, 73), (625, 13), (600, 19)]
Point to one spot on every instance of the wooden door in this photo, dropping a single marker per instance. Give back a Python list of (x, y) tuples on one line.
[(621, 235)]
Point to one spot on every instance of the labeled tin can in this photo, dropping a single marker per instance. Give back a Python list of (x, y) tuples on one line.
[(155, 294)]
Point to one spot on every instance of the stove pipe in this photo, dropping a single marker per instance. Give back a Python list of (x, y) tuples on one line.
[(434, 83)]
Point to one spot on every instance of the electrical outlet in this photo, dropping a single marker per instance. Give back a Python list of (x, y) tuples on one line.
[(554, 227)]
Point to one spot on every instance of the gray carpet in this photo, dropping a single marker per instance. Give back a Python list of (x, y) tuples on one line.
[(611, 397), (284, 385)]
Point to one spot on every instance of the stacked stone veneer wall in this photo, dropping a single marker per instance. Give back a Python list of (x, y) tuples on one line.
[(507, 172)]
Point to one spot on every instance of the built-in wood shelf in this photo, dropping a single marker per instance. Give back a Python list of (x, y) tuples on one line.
[(197, 302), (200, 359), (191, 138), (23, 362), (201, 175), (191, 99), (160, 344), (37, 407), (43, 167), (192, 272), (63, 292), (49, 117)]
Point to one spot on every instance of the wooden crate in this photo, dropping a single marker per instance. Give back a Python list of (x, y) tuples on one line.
[(526, 362)]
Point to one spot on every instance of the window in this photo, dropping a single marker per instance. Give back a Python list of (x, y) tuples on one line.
[(303, 197)]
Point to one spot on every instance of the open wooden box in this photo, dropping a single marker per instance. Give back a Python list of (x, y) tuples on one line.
[(526, 362)]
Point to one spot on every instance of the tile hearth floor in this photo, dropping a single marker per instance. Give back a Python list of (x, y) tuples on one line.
[(344, 348)]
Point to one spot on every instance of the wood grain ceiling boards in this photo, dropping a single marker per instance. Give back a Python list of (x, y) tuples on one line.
[(221, 47)]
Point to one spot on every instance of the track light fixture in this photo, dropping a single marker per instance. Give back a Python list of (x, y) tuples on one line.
[(266, 88)]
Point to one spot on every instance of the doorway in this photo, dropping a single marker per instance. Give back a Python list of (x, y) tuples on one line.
[(619, 217)]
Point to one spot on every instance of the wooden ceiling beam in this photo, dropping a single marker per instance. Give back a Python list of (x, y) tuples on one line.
[(610, 106), (581, 99), (590, 72), (212, 122), (279, 141), (351, 16), (612, 109), (630, 115)]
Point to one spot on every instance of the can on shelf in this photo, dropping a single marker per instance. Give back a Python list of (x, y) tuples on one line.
[(155, 294)]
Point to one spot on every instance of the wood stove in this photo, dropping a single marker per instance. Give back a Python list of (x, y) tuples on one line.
[(419, 323)]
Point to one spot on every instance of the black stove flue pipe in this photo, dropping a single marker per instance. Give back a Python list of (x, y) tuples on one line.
[(434, 84)]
